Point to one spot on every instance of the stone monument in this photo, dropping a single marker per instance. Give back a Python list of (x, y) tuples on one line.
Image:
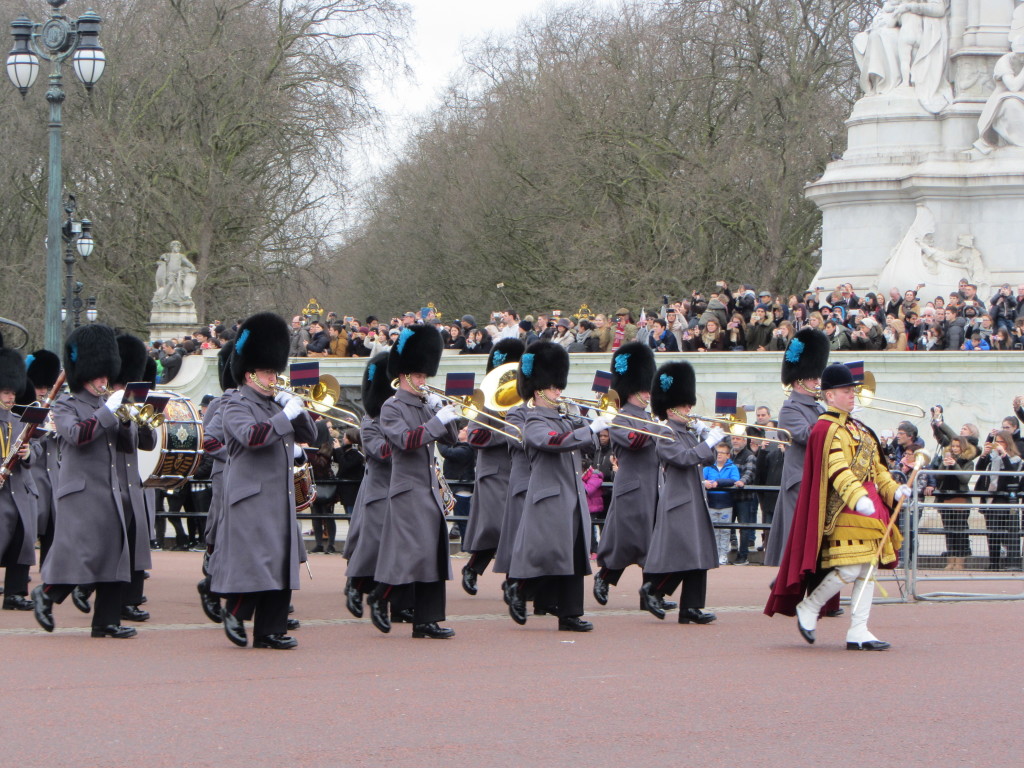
[(173, 312), (931, 186)]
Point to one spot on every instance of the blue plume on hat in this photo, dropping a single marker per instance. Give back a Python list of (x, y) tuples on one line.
[(622, 363), (666, 382), (403, 337), (242, 338), (794, 350), (526, 362)]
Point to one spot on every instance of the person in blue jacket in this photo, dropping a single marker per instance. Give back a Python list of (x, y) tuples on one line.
[(719, 478)]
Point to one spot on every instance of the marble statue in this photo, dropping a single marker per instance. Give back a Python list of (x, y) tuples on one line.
[(1002, 120), (907, 45), (175, 278)]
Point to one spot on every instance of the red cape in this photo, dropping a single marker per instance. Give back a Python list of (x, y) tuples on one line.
[(800, 557)]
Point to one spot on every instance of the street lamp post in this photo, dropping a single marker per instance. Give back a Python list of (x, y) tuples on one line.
[(77, 237), (55, 40)]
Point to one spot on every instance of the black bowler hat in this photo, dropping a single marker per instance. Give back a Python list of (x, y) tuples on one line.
[(837, 376)]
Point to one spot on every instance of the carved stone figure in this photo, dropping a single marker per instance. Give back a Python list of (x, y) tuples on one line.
[(946, 268), (907, 45), (175, 278), (1002, 120)]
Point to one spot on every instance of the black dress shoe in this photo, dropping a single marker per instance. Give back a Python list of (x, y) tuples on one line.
[(469, 580), (276, 642), (600, 590), (315, 550), (293, 624), (80, 599), (134, 613), (806, 634), (113, 630), (504, 591), (379, 612), (868, 645), (234, 628), (353, 600), (42, 606), (668, 605), (404, 616), (651, 602), (18, 603), (330, 550), (211, 604), (573, 624), (696, 616), (433, 631), (516, 605), (834, 614)]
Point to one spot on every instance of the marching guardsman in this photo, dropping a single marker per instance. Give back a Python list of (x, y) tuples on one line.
[(215, 449), (493, 467), (362, 545), (91, 521), (413, 563), (552, 545), (255, 562), (19, 494), (683, 547), (515, 497), (841, 520), (630, 519), (805, 358), (43, 370)]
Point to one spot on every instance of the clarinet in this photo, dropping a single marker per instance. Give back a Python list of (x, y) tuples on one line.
[(26, 434)]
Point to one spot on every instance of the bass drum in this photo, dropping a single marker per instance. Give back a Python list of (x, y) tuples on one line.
[(179, 446)]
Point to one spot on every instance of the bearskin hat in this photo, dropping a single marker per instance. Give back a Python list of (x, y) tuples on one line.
[(224, 375), (133, 359), (806, 356), (376, 384), (836, 376), (90, 352), (632, 369), (417, 350), (262, 344), (674, 384), (43, 368), (505, 351), (543, 365), (12, 371)]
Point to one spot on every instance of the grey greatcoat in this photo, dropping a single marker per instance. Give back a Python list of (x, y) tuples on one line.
[(258, 535), (684, 537), (130, 438), (214, 447), (90, 536), (556, 501), (515, 497), (364, 528), (19, 496), (798, 414), (44, 472), (630, 520), (486, 510), (413, 541)]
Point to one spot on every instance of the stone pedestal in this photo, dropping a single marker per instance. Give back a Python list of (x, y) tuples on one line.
[(901, 158), (166, 322)]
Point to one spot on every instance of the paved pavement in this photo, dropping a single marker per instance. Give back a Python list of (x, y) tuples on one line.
[(635, 692)]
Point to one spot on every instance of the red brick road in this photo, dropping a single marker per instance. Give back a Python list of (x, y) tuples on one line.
[(636, 691)]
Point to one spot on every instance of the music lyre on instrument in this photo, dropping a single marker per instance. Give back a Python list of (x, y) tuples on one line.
[(27, 431)]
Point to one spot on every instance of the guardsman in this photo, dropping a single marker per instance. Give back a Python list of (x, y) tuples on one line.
[(43, 370)]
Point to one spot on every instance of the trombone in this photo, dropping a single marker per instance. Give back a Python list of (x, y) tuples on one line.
[(608, 405), (735, 424), (866, 398), (471, 408), (321, 399)]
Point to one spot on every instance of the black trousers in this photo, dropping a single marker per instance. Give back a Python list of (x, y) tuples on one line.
[(107, 602), (324, 531), (15, 576), (611, 575), (202, 496), (269, 610), (426, 598), (695, 586), (479, 561)]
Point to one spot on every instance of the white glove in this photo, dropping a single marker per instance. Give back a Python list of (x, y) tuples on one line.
[(282, 397), (297, 451), (293, 407), (114, 401), (701, 428), (447, 414), (715, 436), (865, 507), (434, 401), (600, 424), (903, 492)]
